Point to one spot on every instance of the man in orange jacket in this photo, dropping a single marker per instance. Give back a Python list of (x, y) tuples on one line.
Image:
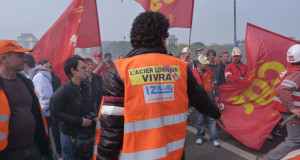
[(236, 70), (204, 78), (23, 128), (144, 115)]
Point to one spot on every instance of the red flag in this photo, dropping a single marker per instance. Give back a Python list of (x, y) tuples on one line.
[(248, 114), (179, 12), (77, 27)]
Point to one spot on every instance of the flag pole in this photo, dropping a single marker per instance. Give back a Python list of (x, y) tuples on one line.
[(99, 28), (191, 25), (190, 37)]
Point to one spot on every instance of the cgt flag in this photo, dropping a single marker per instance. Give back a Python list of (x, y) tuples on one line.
[(77, 27), (248, 114), (179, 12)]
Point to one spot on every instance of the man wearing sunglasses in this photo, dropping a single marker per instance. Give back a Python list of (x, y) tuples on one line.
[(71, 107)]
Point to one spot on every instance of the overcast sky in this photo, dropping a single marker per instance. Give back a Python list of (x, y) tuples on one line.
[(212, 22)]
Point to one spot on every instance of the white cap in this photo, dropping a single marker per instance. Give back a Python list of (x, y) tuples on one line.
[(185, 50), (236, 52), (203, 60)]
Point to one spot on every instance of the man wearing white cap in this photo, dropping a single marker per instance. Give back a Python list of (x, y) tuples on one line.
[(236, 70), (204, 77)]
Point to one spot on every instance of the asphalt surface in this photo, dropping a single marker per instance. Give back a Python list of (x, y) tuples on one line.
[(230, 148), (207, 151)]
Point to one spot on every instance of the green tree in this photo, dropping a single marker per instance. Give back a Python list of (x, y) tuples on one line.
[(118, 48), (171, 48), (194, 47), (179, 49)]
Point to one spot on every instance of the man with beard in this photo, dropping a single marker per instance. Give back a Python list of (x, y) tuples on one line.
[(236, 70)]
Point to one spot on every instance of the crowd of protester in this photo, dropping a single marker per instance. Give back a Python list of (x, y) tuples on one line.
[(71, 109)]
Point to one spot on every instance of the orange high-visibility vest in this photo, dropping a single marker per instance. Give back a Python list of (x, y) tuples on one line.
[(98, 132), (4, 120), (277, 104), (155, 106), (205, 79)]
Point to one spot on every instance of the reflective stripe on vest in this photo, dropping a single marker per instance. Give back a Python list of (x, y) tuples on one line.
[(3, 136), (154, 153), (4, 120), (277, 103), (98, 131), (155, 106), (112, 110), (154, 123)]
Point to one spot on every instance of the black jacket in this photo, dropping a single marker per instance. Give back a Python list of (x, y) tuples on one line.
[(95, 92), (69, 104), (222, 74), (111, 138), (40, 137)]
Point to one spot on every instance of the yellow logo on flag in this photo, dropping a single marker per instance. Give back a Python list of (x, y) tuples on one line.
[(155, 5), (79, 9)]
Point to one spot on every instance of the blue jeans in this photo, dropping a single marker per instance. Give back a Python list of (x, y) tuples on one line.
[(66, 145), (213, 133), (292, 141)]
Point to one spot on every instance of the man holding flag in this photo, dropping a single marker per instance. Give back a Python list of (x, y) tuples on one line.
[(286, 102)]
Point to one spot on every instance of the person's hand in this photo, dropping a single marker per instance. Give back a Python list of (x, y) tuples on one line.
[(217, 98), (86, 122), (222, 123), (296, 111)]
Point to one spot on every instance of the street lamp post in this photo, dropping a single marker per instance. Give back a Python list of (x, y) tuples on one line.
[(235, 42)]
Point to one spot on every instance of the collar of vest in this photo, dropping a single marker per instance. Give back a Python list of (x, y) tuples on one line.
[(139, 51)]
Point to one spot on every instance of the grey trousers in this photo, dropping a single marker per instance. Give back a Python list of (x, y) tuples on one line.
[(292, 141)]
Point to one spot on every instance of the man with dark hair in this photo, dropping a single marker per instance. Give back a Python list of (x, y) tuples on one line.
[(211, 55), (146, 98), (223, 64), (29, 65), (22, 131), (199, 52), (71, 107), (108, 63)]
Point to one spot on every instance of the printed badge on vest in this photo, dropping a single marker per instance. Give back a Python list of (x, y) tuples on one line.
[(154, 74), (158, 93)]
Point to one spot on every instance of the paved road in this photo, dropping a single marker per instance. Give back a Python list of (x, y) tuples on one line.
[(230, 148)]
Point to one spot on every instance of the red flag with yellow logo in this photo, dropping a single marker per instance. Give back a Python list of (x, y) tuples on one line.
[(248, 114), (179, 12), (77, 27)]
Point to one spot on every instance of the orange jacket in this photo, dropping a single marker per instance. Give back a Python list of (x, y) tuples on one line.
[(235, 72), (4, 120), (205, 79), (155, 107)]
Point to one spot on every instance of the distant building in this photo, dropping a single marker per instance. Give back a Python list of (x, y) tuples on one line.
[(86, 52), (172, 40), (27, 40)]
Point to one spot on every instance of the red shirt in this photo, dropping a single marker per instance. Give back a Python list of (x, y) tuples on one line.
[(103, 69), (234, 72)]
